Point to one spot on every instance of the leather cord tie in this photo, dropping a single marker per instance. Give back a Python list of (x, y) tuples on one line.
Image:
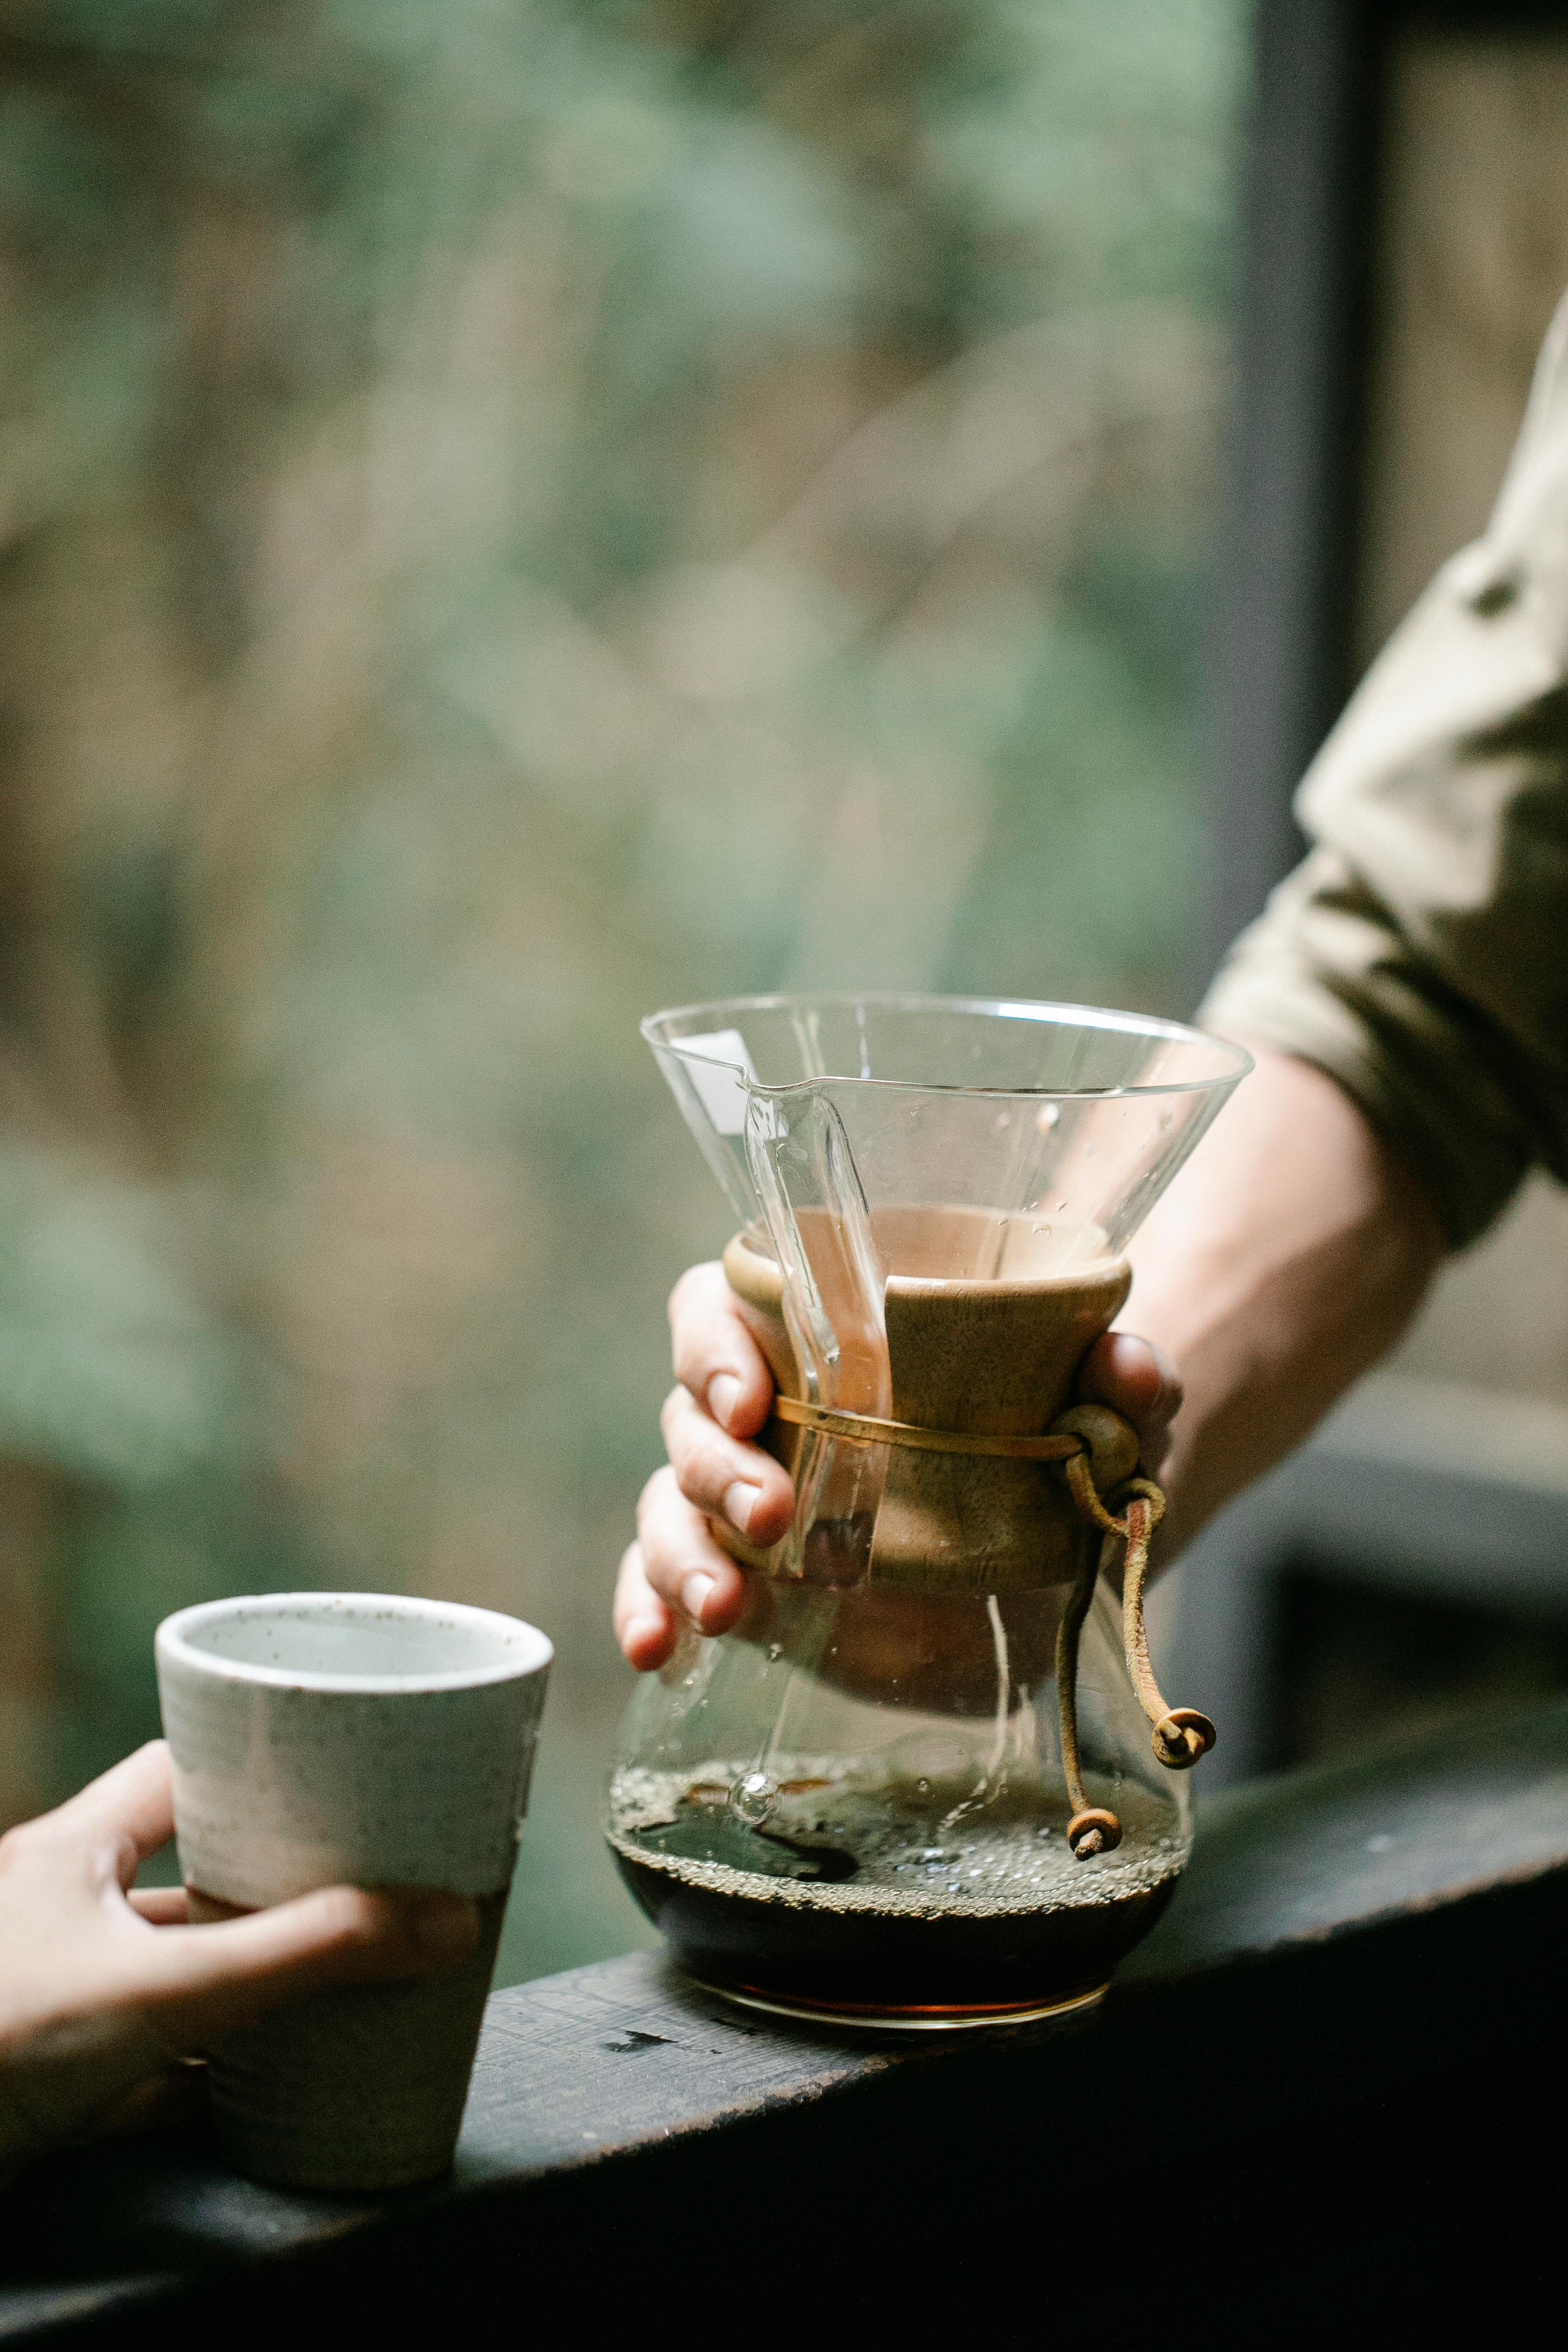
[(1087, 1439), (865, 1429), (1179, 1736)]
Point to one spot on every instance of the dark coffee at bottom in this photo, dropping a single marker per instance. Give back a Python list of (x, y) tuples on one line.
[(886, 1900)]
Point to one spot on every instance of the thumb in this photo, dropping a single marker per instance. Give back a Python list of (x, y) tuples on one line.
[(1137, 1379), (197, 1982)]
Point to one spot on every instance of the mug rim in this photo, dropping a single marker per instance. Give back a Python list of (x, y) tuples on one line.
[(172, 1644)]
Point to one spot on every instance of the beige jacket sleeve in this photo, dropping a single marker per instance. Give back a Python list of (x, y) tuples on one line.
[(1419, 953)]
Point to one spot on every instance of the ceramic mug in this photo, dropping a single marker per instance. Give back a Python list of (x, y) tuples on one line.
[(328, 1737)]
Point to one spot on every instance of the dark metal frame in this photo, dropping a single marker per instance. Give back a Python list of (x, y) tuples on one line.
[(1280, 655), (1280, 670), (1407, 1511), (1280, 645)]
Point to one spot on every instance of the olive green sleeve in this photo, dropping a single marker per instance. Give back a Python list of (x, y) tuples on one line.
[(1419, 953)]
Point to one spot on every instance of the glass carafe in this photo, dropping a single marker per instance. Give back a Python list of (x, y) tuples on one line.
[(920, 1784)]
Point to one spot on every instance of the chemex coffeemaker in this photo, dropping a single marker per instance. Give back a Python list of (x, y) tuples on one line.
[(930, 1780)]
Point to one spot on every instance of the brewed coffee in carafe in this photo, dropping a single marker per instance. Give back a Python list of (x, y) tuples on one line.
[(927, 1779)]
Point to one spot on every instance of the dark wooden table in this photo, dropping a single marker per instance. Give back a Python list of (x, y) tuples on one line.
[(1323, 2099)]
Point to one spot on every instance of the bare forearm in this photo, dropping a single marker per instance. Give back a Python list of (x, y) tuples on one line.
[(1287, 1257)]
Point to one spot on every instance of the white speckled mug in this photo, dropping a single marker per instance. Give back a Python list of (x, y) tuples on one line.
[(324, 1737)]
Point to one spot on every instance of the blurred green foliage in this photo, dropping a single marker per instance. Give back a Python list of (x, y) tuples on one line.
[(519, 511)]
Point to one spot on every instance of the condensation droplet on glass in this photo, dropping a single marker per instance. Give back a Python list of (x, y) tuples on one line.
[(775, 1651), (754, 1796), (1047, 1117), (923, 1788)]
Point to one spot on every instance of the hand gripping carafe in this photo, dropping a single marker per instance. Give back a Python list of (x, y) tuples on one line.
[(928, 1779)]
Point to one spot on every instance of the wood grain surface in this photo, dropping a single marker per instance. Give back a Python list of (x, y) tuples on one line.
[(1358, 1976)]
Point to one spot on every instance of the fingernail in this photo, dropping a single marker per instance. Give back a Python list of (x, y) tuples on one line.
[(739, 1502), (694, 1595), (723, 1396), (446, 1928), (641, 1630)]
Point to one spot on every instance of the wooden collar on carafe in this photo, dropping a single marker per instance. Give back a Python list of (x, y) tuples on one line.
[(1098, 1450)]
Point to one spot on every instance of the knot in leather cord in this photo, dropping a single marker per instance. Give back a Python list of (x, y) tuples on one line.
[(1182, 1737), (1093, 1830), (1179, 1736)]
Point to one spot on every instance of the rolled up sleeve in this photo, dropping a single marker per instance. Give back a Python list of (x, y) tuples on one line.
[(1419, 954)]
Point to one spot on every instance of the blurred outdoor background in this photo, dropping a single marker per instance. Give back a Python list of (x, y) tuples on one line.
[(518, 513)]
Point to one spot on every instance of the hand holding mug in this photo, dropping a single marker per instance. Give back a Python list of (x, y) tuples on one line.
[(105, 1989)]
